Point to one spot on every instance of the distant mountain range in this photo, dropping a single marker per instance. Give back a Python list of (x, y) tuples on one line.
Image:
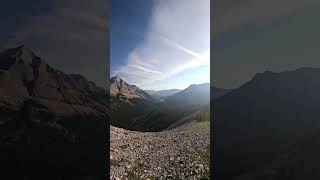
[(50, 121), (264, 119), (162, 93), (192, 95), (133, 108)]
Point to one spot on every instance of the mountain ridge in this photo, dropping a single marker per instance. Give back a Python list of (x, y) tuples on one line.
[(195, 94), (163, 93), (26, 75), (49, 120), (278, 109), (118, 87)]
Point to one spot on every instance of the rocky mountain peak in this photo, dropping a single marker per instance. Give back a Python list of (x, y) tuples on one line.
[(119, 87), (21, 54), (40, 105), (24, 75), (116, 79)]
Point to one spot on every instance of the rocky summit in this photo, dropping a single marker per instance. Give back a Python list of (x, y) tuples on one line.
[(181, 153), (119, 87)]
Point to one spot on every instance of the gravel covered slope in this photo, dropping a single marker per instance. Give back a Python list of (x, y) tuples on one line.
[(181, 153)]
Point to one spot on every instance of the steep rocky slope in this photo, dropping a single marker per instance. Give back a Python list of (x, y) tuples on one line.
[(134, 109), (23, 75), (121, 89), (52, 125), (181, 153)]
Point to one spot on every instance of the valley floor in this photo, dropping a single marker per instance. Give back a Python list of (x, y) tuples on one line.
[(180, 153)]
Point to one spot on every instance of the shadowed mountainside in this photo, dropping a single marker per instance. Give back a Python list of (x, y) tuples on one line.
[(52, 125), (264, 118), (218, 92), (132, 108)]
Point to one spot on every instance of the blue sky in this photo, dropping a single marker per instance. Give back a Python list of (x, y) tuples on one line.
[(160, 44), (128, 22)]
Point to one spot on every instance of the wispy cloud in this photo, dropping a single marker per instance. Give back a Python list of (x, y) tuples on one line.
[(181, 48), (178, 39)]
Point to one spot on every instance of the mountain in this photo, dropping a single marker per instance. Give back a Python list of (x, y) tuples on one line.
[(193, 95), (163, 93), (201, 113), (132, 108), (120, 89), (218, 92), (150, 91), (264, 118), (300, 162), (23, 76), (204, 114), (51, 123), (183, 107)]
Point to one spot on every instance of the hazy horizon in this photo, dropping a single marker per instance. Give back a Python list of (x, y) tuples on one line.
[(160, 89)]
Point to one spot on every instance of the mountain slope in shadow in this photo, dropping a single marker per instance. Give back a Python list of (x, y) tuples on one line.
[(52, 125), (300, 162), (134, 109), (218, 92), (264, 118)]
